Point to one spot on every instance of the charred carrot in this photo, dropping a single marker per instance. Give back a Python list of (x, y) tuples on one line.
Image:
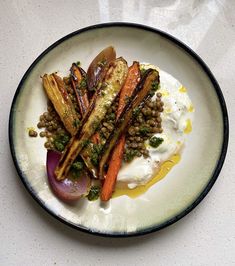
[(140, 95), (114, 167), (133, 77)]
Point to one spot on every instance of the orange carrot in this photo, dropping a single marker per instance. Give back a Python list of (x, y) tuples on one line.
[(114, 166), (132, 80), (133, 77)]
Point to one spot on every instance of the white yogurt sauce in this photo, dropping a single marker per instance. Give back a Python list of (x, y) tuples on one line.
[(176, 123)]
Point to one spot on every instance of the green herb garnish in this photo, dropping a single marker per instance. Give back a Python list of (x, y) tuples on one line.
[(144, 130), (76, 169), (94, 193), (96, 151), (151, 93), (83, 83), (95, 159), (77, 165), (112, 116), (59, 146), (136, 111), (142, 71), (154, 86), (129, 155), (155, 142), (76, 123), (85, 143), (61, 141)]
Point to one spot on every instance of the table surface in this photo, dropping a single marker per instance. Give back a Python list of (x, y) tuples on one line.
[(30, 236)]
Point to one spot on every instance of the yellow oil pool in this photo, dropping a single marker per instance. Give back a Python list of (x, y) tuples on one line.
[(164, 170), (188, 127), (182, 89)]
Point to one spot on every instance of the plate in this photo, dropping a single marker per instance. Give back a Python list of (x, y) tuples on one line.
[(187, 183)]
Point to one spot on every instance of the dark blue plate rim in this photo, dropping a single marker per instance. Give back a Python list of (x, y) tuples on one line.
[(216, 170)]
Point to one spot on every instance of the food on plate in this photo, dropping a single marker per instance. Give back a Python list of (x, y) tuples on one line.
[(115, 130), (61, 101), (74, 186)]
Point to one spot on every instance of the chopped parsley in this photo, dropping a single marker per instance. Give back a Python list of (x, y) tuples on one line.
[(154, 86), (94, 193), (77, 165), (129, 155), (144, 130), (61, 141), (76, 123), (83, 83), (142, 71), (76, 170), (96, 151), (112, 116), (155, 142), (59, 146), (136, 111), (85, 143)]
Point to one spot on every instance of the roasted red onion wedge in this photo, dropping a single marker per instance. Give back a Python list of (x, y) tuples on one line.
[(69, 189), (96, 70)]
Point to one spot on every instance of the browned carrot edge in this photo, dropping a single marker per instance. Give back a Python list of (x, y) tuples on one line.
[(137, 99), (133, 78)]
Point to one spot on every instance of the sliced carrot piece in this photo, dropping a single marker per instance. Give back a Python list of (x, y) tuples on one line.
[(133, 78), (114, 166)]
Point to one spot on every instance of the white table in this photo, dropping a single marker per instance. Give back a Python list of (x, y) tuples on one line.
[(30, 236)]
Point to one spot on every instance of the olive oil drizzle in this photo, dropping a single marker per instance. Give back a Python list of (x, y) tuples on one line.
[(163, 171)]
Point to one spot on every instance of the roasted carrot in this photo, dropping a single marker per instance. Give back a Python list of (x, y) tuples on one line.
[(133, 77), (138, 98), (114, 166)]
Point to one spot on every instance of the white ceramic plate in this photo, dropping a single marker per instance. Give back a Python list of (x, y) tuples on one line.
[(187, 183)]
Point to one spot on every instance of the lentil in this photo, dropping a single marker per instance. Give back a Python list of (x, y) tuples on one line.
[(33, 133), (145, 124), (42, 134)]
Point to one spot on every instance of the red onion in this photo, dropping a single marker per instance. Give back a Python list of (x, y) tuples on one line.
[(67, 189), (96, 70)]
